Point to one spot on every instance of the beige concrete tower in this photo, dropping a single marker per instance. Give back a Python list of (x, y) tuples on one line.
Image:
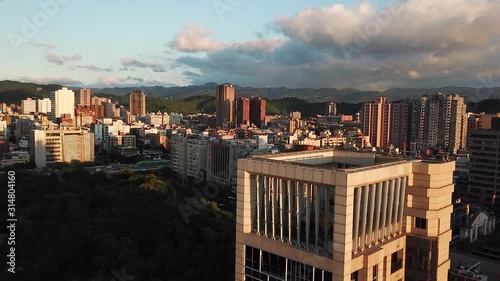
[(428, 220), (336, 215)]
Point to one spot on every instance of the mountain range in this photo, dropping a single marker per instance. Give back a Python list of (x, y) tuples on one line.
[(347, 95)]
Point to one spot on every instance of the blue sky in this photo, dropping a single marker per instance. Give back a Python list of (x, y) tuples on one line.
[(294, 43)]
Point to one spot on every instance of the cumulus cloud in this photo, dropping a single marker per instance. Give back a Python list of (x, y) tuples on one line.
[(133, 63), (197, 38), (65, 81), (95, 68), (46, 46), (53, 58), (75, 57), (129, 81), (414, 75), (415, 43), (60, 60)]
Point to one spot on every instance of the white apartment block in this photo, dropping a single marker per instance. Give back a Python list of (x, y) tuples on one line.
[(116, 128), (44, 105), (28, 106), (62, 102)]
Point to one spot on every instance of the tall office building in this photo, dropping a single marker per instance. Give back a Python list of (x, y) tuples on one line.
[(28, 106), (243, 109), (376, 122), (258, 112), (138, 103), (331, 109), (44, 105), (336, 215), (52, 146), (484, 179), (62, 102), (83, 97), (440, 121), (225, 106)]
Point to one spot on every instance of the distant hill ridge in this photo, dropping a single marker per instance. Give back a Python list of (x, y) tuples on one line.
[(14, 92)]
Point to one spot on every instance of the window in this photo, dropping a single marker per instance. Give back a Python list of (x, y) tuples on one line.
[(396, 261), (375, 271), (354, 276), (420, 223)]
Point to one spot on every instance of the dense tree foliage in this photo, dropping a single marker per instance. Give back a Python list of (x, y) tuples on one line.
[(85, 227)]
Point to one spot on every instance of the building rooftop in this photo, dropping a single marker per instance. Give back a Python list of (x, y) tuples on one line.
[(341, 161)]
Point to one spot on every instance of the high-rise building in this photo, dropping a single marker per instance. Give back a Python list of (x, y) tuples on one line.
[(376, 122), (83, 97), (399, 124), (258, 112), (62, 102), (28, 106), (336, 215), (138, 103), (243, 109), (484, 179), (44, 105), (52, 146), (225, 100), (439, 121), (331, 109)]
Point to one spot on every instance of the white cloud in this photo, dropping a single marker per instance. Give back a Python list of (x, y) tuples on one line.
[(414, 75)]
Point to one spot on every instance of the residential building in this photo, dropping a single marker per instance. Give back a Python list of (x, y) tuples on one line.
[(243, 108), (62, 102), (484, 179), (336, 215), (331, 109), (44, 105), (376, 122), (52, 146), (28, 106), (400, 115), (225, 102), (439, 121), (258, 112), (137, 103), (83, 97)]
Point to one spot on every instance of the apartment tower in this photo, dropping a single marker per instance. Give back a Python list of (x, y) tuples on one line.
[(439, 121), (83, 97), (376, 122), (62, 102), (258, 111), (225, 106), (138, 103)]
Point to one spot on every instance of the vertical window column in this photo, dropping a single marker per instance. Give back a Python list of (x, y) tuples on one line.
[(371, 207), (364, 213), (357, 207), (402, 203), (390, 206), (396, 207), (290, 209), (383, 215), (378, 201), (266, 204)]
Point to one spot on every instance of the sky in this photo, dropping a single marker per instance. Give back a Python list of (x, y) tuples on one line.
[(367, 45)]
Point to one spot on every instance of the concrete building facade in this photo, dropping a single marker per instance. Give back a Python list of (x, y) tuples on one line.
[(52, 146), (335, 215), (62, 102), (137, 103), (225, 102)]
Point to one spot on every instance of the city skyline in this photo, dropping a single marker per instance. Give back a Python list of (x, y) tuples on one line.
[(340, 44)]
